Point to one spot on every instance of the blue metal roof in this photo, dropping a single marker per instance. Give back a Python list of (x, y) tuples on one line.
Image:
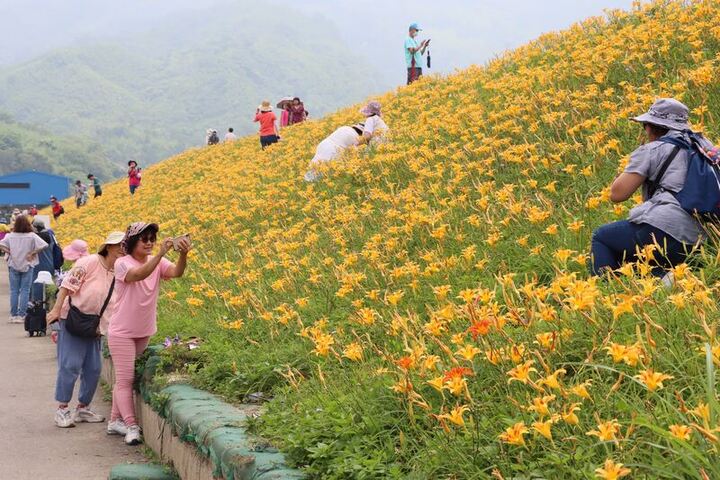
[(32, 172)]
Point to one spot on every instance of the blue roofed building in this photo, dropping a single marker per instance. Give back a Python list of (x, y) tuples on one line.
[(24, 189)]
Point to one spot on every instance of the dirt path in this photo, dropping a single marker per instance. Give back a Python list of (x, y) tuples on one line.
[(31, 446)]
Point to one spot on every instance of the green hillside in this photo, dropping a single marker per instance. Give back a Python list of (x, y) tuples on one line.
[(154, 95), (425, 310), (24, 147)]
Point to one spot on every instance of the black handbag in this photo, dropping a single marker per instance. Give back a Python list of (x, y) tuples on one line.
[(85, 324)]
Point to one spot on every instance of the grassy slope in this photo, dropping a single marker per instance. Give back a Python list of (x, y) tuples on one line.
[(155, 95), (419, 277)]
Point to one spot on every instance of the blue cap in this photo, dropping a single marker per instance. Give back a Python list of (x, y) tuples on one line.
[(415, 26)]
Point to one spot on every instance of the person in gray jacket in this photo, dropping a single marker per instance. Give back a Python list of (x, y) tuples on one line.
[(660, 219)]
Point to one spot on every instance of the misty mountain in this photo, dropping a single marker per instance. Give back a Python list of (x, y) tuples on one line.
[(24, 147), (151, 95)]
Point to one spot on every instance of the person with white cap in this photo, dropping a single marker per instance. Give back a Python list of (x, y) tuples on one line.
[(134, 319), (660, 219), (83, 307), (414, 52)]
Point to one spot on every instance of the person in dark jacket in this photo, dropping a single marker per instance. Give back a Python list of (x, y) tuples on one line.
[(46, 259)]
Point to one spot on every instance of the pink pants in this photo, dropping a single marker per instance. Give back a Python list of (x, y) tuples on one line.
[(124, 351)]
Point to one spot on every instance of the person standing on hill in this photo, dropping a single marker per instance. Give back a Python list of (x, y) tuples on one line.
[(268, 126), (660, 219), (80, 194), (413, 53), (95, 184), (230, 135), (134, 176), (297, 112), (57, 209)]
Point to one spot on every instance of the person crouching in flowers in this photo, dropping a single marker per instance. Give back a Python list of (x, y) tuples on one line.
[(134, 319), (87, 287), (659, 220), (370, 131)]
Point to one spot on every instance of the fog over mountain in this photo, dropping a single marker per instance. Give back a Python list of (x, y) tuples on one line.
[(463, 31)]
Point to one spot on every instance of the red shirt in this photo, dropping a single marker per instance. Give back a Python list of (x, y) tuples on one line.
[(134, 177), (267, 123), (56, 208)]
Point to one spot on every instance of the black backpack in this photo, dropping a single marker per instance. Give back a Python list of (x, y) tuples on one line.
[(214, 139)]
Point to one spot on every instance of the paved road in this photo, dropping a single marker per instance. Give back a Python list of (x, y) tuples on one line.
[(31, 446)]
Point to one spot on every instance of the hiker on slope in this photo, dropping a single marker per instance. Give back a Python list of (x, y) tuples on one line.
[(414, 52)]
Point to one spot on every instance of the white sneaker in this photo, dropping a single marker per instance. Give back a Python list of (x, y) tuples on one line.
[(117, 427), (84, 414), (133, 437), (17, 319), (64, 418)]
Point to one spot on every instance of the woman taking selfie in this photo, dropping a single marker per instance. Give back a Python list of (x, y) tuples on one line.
[(87, 288), (134, 318)]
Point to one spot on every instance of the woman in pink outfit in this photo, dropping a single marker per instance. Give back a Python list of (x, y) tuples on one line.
[(134, 318)]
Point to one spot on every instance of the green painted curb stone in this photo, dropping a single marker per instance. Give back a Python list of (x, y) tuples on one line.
[(139, 472)]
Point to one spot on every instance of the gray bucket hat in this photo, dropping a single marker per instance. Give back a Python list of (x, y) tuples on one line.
[(668, 113)]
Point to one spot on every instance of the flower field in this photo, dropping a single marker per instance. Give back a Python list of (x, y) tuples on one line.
[(425, 310)]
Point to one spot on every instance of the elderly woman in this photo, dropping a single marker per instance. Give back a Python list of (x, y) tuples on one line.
[(87, 288), (659, 219), (22, 247), (134, 318), (344, 137)]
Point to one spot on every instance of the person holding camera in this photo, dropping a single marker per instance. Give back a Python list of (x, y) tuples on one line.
[(414, 52), (134, 318), (82, 310)]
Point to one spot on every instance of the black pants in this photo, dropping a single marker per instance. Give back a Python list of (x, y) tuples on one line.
[(268, 140), (413, 74)]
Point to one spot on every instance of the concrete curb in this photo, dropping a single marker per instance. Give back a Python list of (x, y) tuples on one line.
[(203, 437)]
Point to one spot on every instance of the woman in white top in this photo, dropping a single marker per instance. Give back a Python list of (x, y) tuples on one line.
[(371, 131), (374, 126), (22, 246)]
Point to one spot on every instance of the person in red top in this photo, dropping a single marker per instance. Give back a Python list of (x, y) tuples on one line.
[(268, 127), (133, 176), (33, 210), (57, 209)]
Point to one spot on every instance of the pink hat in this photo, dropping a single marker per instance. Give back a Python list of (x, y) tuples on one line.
[(77, 248)]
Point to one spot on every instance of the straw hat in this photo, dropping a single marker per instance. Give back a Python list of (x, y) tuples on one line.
[(265, 106), (115, 238), (668, 113)]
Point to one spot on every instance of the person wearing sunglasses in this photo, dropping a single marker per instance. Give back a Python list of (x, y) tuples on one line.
[(134, 319)]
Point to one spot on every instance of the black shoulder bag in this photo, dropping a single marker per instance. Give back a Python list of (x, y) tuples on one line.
[(85, 324)]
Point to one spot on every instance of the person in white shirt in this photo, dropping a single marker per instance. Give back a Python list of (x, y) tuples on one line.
[(375, 127), (230, 135), (371, 131), (22, 246)]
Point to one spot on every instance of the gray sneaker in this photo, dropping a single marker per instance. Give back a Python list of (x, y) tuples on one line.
[(64, 418), (84, 414), (117, 427)]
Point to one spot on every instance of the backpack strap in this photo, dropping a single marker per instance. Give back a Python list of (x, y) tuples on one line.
[(654, 185)]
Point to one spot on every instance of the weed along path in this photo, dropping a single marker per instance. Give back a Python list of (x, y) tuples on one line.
[(31, 446)]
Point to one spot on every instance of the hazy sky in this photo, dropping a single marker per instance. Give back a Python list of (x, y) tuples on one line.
[(463, 31)]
